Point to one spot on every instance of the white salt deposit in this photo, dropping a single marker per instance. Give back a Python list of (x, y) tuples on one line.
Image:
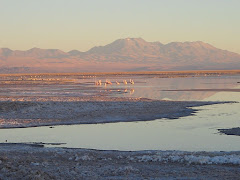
[(189, 159)]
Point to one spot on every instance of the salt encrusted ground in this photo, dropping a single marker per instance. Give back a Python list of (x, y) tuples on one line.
[(33, 111), (20, 161)]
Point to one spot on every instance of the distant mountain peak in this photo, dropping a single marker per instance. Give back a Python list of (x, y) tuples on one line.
[(74, 52), (188, 44), (127, 46), (5, 52), (5, 49), (34, 49), (134, 40), (125, 54)]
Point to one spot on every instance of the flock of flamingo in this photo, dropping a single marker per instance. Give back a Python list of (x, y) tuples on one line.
[(108, 82)]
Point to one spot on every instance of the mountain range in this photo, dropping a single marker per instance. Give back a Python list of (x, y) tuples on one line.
[(130, 54)]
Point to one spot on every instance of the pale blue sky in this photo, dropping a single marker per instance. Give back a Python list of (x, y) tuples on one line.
[(82, 24)]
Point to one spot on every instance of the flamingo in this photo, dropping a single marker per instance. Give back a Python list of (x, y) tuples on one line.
[(108, 82)]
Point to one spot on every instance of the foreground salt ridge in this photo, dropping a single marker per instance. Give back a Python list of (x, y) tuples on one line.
[(185, 157), (30, 112), (190, 159), (32, 161)]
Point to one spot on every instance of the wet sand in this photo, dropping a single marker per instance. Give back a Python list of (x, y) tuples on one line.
[(21, 161)]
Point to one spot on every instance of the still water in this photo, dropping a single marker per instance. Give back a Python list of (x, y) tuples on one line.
[(191, 133)]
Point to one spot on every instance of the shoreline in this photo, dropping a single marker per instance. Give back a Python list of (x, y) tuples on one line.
[(184, 72), (35, 161), (89, 110), (31, 161)]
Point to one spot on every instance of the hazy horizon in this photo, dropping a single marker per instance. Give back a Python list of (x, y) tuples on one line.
[(81, 25)]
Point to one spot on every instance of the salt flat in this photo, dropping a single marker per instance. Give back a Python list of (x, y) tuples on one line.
[(90, 111), (49, 100)]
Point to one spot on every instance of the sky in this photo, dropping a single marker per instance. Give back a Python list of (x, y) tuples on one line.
[(83, 24)]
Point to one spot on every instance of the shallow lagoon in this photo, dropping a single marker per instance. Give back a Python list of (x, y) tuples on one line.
[(192, 133)]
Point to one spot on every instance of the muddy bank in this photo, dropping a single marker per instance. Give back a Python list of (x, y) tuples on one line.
[(231, 131), (19, 161), (90, 110)]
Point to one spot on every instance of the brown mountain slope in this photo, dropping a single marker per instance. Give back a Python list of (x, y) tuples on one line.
[(122, 55)]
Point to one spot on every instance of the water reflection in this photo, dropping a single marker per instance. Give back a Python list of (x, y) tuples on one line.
[(143, 86), (193, 133), (154, 88)]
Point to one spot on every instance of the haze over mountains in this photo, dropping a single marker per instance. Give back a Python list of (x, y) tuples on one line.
[(130, 54)]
